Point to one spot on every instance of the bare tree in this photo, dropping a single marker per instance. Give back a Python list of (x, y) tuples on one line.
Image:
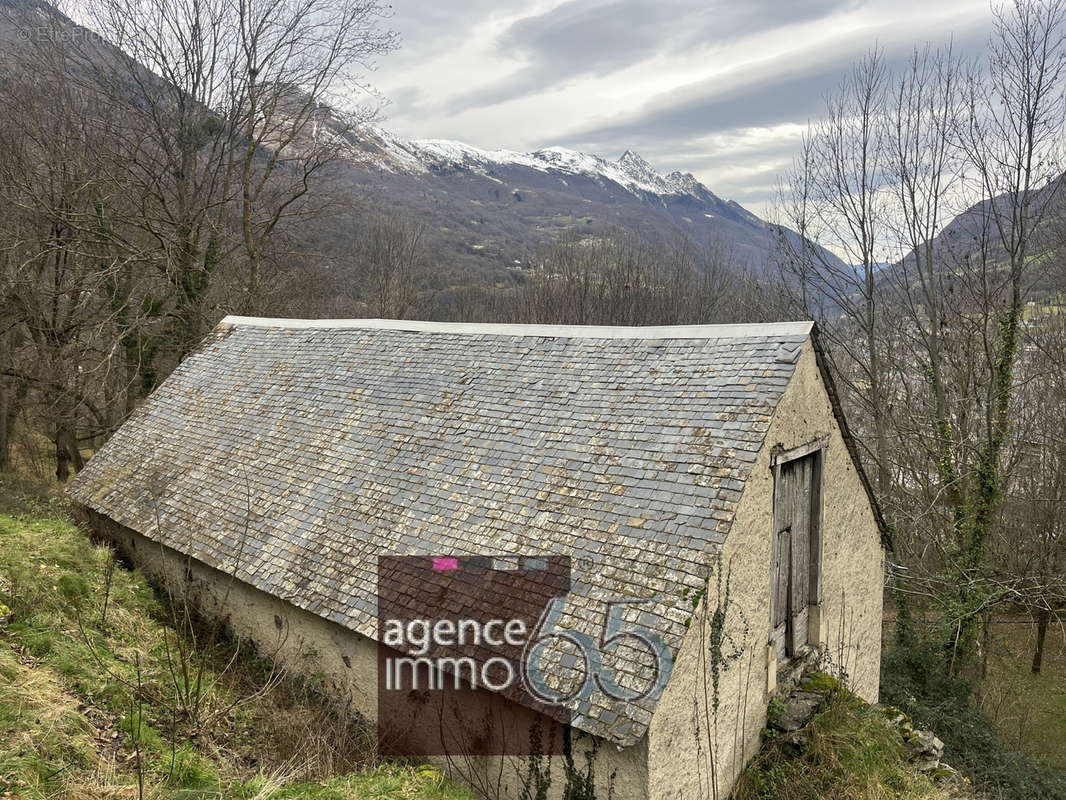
[(619, 279), (233, 120), (1033, 564), (1013, 138), (57, 246), (929, 349), (156, 170), (294, 59), (923, 169), (392, 253), (834, 197)]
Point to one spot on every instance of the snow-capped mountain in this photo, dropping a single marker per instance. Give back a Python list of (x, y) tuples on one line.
[(376, 147), (491, 208), (630, 171)]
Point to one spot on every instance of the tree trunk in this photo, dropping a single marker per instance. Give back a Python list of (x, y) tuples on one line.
[(986, 646), (10, 404), (62, 459), (67, 452), (1042, 619)]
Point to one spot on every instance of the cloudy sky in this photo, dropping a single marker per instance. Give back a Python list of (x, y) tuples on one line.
[(720, 89)]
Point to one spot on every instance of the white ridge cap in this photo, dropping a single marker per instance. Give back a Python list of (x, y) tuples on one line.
[(731, 331)]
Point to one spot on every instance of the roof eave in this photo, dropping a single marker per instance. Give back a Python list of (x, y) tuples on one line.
[(849, 439)]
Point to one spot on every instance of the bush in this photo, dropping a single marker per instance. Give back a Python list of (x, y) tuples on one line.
[(847, 752), (913, 679)]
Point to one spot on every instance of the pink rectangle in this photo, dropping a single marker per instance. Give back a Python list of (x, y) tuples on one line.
[(445, 563)]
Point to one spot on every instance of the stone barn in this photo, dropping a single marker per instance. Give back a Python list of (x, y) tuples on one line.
[(700, 480)]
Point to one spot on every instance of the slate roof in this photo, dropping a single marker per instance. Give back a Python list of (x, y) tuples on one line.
[(292, 453)]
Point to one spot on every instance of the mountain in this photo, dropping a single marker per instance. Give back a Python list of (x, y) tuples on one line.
[(498, 205), (486, 212), (630, 172), (972, 235)]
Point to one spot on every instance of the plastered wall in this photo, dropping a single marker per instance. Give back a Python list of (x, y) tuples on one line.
[(694, 746)]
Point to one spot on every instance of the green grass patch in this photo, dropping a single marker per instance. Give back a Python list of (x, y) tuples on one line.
[(89, 705), (1028, 710), (385, 781), (848, 752), (822, 683)]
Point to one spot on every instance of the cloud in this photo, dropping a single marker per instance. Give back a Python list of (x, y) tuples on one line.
[(429, 25), (582, 38), (719, 89), (789, 88)]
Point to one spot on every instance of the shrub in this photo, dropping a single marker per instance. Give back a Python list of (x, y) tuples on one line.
[(913, 679), (847, 752)]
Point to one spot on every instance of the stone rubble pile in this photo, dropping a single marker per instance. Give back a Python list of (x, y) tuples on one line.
[(794, 711)]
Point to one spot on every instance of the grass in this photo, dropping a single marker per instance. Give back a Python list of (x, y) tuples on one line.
[(913, 679), (1052, 304), (1028, 710), (849, 753), (88, 705)]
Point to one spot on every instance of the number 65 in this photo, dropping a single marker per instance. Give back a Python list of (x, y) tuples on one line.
[(614, 630)]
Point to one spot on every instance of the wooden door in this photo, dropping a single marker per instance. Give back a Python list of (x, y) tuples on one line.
[(799, 601), (796, 549)]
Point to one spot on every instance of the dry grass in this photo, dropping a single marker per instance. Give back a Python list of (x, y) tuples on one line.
[(68, 678), (1028, 710)]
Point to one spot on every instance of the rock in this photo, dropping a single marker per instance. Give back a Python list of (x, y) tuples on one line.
[(953, 783), (944, 773), (897, 719), (799, 708), (795, 742), (924, 750)]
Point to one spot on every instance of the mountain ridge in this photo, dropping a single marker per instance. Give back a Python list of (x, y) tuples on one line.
[(492, 208), (630, 171)]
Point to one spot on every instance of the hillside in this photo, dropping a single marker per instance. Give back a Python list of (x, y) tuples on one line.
[(92, 703), (959, 245), (492, 208), (486, 212)]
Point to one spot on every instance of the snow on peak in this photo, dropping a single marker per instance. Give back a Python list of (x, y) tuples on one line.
[(643, 174), (379, 149), (630, 157), (630, 171), (684, 182), (632, 164), (376, 148)]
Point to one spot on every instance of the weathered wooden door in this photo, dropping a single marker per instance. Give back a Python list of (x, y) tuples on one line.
[(779, 602), (796, 551)]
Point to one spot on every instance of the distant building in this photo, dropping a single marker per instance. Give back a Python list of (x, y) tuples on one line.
[(281, 460)]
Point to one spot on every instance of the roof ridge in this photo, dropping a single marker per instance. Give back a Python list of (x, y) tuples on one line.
[(727, 331)]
